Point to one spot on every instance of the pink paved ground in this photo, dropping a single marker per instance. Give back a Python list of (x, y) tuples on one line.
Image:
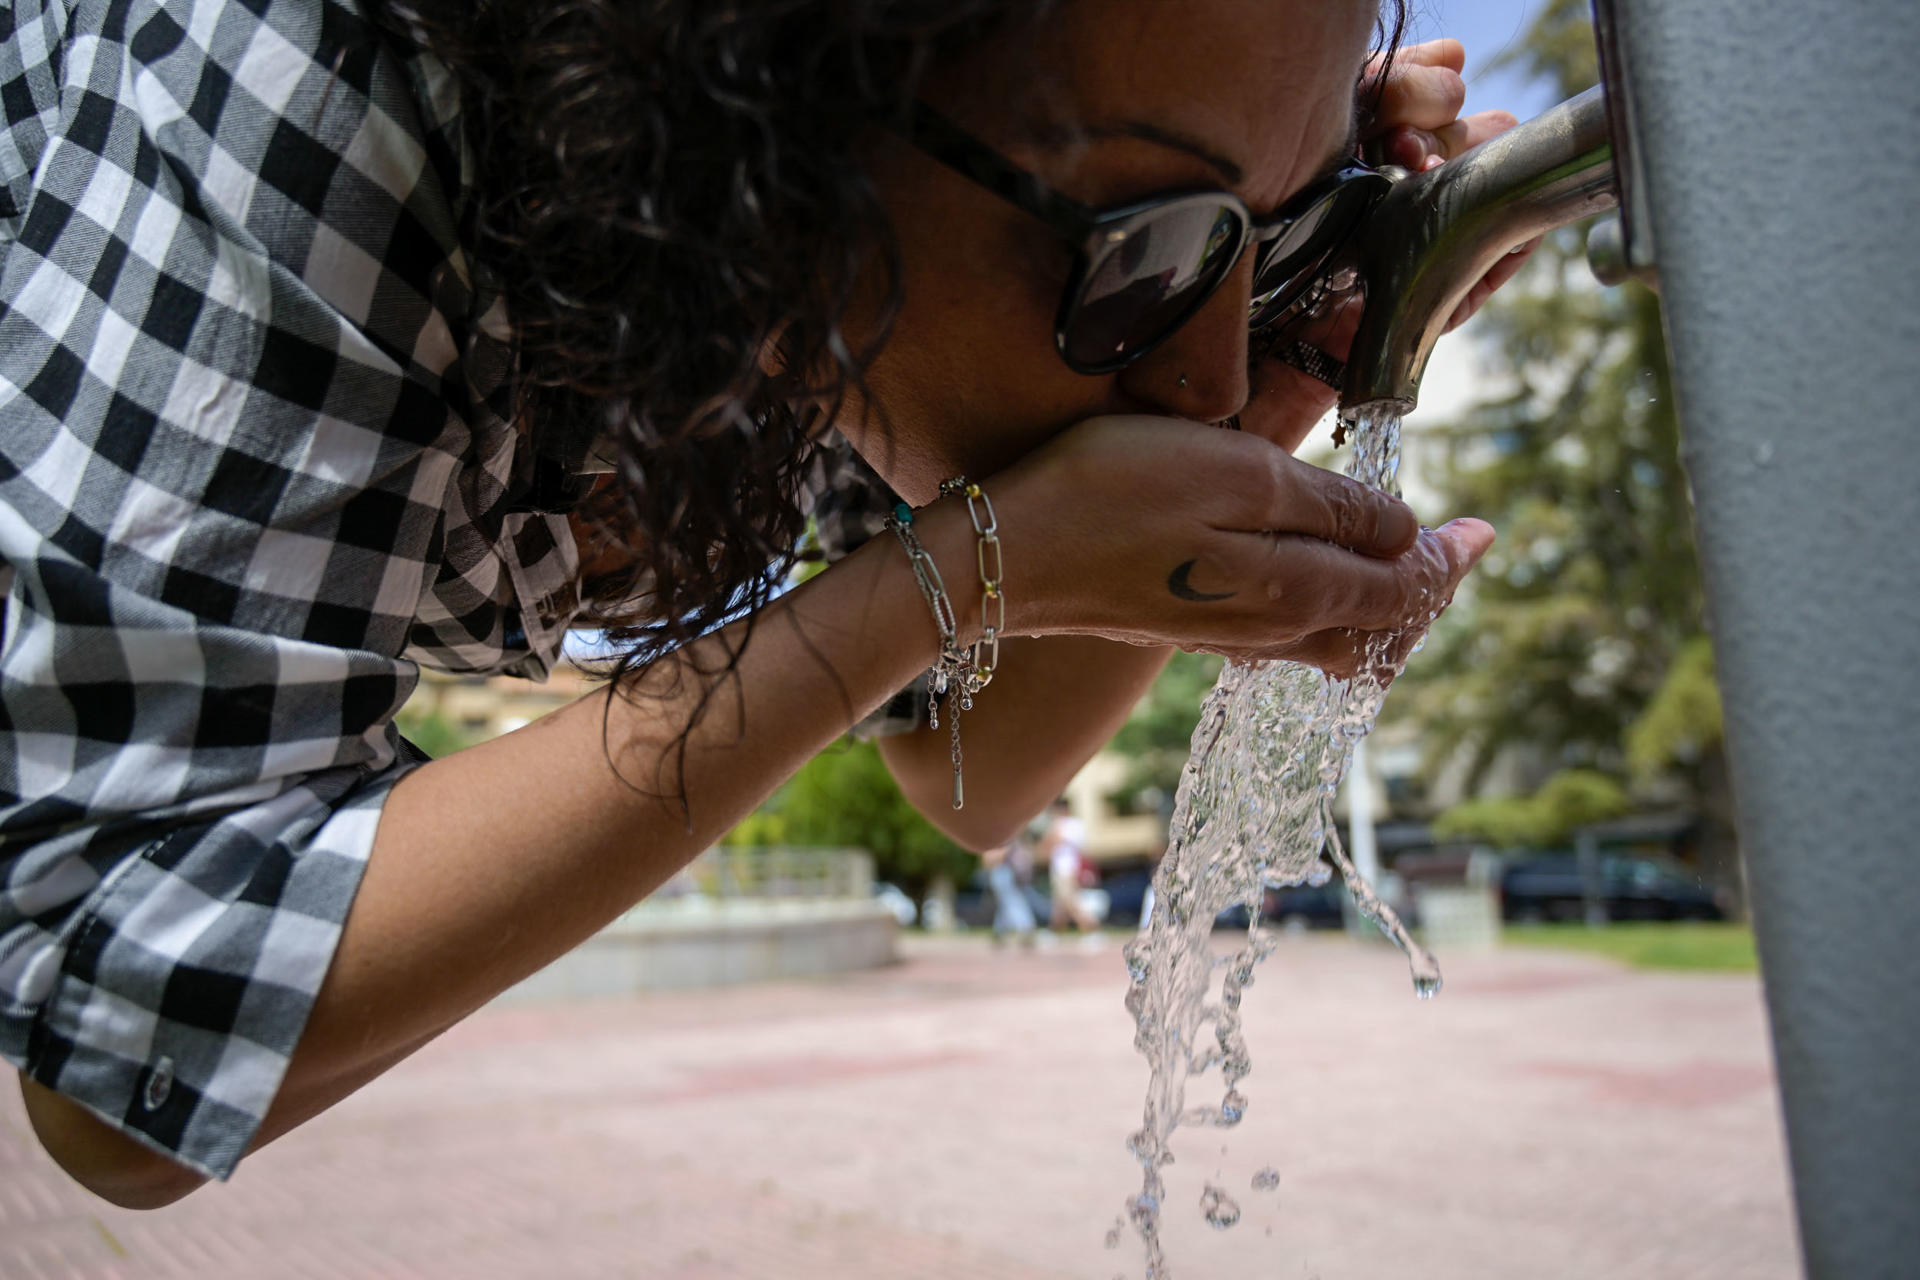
[(961, 1115)]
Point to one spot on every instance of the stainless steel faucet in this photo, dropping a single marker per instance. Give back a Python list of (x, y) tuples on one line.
[(1437, 233)]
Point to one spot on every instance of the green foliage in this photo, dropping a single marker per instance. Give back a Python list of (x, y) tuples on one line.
[(1702, 947), (1156, 736), (1569, 800), (761, 829), (1684, 718), (845, 797), (1559, 47), (432, 732)]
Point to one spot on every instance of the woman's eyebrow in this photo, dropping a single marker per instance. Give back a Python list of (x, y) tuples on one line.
[(1141, 129), (1055, 136), (1146, 131)]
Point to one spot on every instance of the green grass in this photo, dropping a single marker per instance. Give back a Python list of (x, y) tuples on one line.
[(1722, 948)]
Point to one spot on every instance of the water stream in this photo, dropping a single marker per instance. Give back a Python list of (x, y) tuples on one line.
[(1254, 808)]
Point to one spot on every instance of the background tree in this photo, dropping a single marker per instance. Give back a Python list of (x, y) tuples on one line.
[(1156, 736), (432, 732), (1580, 644), (844, 797)]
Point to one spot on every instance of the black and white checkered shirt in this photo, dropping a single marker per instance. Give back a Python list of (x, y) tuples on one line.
[(255, 465)]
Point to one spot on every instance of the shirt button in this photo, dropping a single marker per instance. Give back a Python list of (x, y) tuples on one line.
[(159, 1084)]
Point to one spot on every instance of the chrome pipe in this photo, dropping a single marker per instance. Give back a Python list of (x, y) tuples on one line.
[(1436, 234)]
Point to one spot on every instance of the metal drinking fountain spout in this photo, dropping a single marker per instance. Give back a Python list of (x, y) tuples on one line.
[(1435, 234)]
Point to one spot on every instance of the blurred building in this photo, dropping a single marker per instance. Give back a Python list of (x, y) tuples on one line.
[(478, 708)]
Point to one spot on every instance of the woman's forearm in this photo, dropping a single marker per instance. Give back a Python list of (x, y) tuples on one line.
[(493, 861), (1054, 701), (490, 863)]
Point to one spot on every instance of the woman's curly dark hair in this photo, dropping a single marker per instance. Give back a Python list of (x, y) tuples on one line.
[(668, 191)]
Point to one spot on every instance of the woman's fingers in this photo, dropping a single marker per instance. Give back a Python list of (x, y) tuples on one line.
[(1338, 651), (1501, 272), (1344, 652), (1327, 586), (1421, 149), (1444, 52), (1422, 86), (1282, 495), (1417, 121), (1331, 609)]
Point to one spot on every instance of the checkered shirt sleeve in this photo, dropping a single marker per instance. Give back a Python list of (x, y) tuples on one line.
[(256, 464)]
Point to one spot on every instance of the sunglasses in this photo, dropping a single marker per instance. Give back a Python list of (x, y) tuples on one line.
[(1142, 270)]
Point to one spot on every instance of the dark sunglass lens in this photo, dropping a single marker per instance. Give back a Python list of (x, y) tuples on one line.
[(1150, 281), (1288, 264), (1284, 260)]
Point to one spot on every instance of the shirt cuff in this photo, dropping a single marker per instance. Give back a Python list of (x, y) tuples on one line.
[(186, 981)]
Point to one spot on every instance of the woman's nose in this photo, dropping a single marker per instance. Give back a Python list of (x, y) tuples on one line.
[(1200, 373)]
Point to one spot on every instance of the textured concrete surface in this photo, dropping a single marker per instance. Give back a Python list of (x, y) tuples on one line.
[(962, 1115), (717, 946)]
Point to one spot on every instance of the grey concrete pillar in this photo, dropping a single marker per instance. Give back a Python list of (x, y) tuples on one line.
[(1780, 144)]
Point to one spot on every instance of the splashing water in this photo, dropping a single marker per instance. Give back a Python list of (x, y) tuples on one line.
[(1218, 1208), (1254, 808)]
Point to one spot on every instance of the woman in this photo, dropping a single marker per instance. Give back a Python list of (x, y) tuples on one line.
[(313, 320)]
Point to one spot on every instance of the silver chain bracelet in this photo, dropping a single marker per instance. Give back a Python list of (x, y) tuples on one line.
[(952, 668), (964, 671), (993, 605)]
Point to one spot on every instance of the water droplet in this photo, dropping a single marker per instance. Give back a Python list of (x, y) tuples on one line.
[(1763, 452), (1426, 986), (1113, 1234), (1267, 1179), (1218, 1208)]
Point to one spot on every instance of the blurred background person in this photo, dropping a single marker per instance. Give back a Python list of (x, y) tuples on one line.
[(1009, 872), (1063, 846)]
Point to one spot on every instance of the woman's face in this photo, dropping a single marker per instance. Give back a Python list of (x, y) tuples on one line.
[(1109, 101)]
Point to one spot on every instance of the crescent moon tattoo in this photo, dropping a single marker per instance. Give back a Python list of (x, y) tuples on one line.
[(1177, 583)]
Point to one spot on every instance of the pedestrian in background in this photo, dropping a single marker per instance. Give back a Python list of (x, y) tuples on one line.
[(1064, 847), (1009, 871)]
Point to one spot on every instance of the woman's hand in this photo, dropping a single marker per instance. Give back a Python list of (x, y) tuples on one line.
[(1160, 531), (1418, 126)]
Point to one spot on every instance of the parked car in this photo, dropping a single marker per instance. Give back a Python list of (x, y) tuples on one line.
[(1548, 886), (1294, 906), (1308, 906), (1323, 905), (1126, 892)]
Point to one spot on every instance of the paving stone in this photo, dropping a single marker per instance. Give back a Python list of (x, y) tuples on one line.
[(962, 1115)]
